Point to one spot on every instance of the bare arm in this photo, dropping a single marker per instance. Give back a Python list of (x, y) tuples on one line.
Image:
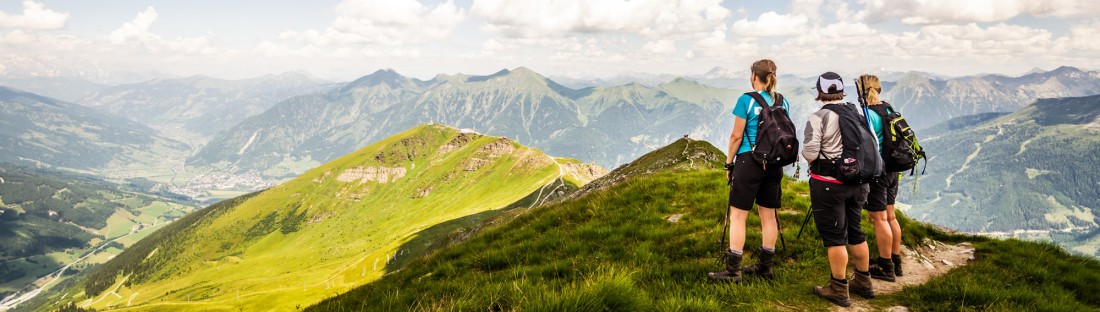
[(735, 138)]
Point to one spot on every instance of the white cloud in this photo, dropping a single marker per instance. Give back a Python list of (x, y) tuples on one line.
[(35, 16), (716, 47), (660, 47), (137, 33), (1083, 39), (922, 12), (363, 22), (650, 18), (809, 8), (771, 24), (971, 40)]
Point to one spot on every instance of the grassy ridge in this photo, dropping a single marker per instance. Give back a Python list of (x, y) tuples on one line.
[(614, 250), (326, 232)]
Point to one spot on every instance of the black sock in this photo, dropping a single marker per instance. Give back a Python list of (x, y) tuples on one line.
[(842, 281), (867, 273)]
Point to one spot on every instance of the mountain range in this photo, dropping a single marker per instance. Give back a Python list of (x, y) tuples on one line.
[(607, 126), (198, 107), (37, 130), (927, 101)]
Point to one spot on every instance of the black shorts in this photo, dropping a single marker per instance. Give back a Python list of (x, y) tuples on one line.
[(837, 212), (883, 192), (751, 183)]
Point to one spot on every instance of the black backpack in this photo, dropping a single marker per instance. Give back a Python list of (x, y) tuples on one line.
[(776, 143), (900, 150), (859, 162)]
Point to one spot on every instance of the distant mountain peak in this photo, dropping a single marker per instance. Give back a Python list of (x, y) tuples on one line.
[(1066, 70), (386, 76)]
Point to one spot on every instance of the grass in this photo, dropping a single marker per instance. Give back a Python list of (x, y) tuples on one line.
[(348, 233), (613, 250), (1013, 275)]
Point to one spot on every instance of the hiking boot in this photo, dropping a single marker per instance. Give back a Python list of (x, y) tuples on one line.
[(861, 285), (883, 269), (763, 268), (835, 291), (732, 272), (897, 264)]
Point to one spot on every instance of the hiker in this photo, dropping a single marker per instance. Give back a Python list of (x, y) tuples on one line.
[(836, 196), (754, 175), (882, 192), (900, 152)]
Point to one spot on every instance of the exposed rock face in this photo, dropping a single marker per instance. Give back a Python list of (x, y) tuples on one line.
[(422, 192), (530, 160), (473, 164), (584, 172), (458, 142), (499, 148), (374, 174)]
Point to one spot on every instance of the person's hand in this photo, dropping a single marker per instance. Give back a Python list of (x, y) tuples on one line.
[(729, 173)]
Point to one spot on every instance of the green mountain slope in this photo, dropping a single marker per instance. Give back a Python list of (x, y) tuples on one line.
[(1026, 171), (333, 228), (50, 219), (37, 130), (615, 249)]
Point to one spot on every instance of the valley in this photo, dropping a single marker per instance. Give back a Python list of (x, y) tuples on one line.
[(1016, 175)]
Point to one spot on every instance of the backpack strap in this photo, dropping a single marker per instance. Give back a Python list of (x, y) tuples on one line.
[(759, 100), (882, 110)]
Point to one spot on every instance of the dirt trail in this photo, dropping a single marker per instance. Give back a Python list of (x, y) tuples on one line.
[(930, 260)]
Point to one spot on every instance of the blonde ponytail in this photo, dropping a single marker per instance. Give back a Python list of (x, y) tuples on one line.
[(871, 88)]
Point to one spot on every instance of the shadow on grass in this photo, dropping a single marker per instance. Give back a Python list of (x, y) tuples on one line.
[(460, 229)]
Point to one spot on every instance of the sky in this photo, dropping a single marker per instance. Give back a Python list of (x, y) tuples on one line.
[(344, 39)]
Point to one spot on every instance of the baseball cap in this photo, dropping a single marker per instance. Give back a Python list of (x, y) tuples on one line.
[(830, 83)]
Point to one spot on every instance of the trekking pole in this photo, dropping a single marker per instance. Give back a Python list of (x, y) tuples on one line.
[(809, 213), (725, 236)]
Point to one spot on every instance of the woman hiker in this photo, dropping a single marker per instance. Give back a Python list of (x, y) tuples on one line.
[(882, 194), (750, 181)]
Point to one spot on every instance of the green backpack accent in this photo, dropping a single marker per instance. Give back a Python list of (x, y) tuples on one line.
[(900, 149)]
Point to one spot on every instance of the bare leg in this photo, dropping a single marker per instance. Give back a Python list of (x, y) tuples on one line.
[(895, 229), (860, 256), (769, 228), (883, 233), (737, 229), (838, 262)]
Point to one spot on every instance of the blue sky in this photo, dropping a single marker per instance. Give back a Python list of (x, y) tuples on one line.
[(344, 39)]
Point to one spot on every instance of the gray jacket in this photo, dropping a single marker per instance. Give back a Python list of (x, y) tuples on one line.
[(822, 136)]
